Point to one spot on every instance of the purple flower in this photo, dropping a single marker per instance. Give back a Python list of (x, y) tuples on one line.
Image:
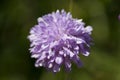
[(58, 39), (119, 17)]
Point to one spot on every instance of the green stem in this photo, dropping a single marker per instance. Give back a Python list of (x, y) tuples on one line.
[(71, 5)]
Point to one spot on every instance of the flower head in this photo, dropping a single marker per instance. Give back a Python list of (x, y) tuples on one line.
[(58, 39), (119, 16)]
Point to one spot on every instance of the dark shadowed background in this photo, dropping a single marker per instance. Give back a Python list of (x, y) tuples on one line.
[(18, 16)]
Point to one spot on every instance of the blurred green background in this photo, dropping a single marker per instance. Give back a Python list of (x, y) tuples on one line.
[(18, 16)]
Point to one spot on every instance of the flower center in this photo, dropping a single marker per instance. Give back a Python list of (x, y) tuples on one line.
[(60, 33)]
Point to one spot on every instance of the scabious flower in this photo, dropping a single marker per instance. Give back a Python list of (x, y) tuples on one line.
[(119, 17), (58, 39)]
